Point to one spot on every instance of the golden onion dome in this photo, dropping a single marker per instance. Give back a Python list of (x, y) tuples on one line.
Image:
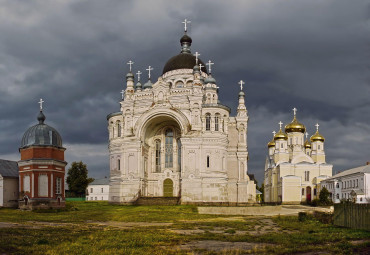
[(280, 136), (271, 144), (295, 126), (307, 144), (317, 137)]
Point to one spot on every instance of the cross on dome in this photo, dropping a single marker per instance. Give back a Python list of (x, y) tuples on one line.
[(306, 135), (241, 84), (130, 64), (138, 75), (317, 127), (196, 57), (200, 67), (280, 124), (149, 69), (40, 102), (210, 66), (122, 93), (185, 22), (295, 111), (274, 133)]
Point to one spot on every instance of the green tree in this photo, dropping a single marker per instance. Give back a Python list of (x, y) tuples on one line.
[(77, 179), (324, 197)]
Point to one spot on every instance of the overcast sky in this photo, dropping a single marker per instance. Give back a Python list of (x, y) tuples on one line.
[(313, 55)]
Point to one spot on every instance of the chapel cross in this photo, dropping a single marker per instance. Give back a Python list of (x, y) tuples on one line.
[(306, 135), (138, 75), (122, 93), (210, 66), (130, 64), (317, 126), (200, 67), (185, 22), (40, 102), (149, 69), (241, 84), (295, 111), (274, 132), (280, 124), (196, 57)]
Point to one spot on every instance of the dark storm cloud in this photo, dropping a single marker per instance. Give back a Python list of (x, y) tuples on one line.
[(313, 55)]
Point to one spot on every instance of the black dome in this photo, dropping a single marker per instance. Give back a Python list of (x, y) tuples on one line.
[(182, 61), (41, 134), (186, 39)]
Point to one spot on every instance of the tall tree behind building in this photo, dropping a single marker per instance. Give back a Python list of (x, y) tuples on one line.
[(77, 179)]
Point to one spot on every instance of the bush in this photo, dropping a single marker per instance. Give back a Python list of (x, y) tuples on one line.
[(315, 202), (326, 218)]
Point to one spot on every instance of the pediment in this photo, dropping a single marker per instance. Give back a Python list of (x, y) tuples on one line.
[(301, 158)]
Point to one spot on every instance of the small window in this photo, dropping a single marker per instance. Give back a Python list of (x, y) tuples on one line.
[(91, 190), (282, 145), (361, 199), (357, 183), (96, 198), (337, 185), (314, 192), (119, 164), (337, 196), (207, 161), (102, 190), (302, 191), (318, 147), (291, 140)]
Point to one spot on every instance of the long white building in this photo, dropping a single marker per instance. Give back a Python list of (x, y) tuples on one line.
[(352, 184), (98, 190)]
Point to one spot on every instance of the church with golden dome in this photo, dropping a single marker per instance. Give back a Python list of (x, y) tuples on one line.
[(295, 166)]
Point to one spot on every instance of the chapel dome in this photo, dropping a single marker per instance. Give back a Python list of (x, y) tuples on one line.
[(280, 136), (307, 144), (184, 60), (41, 134), (271, 143), (317, 137), (295, 126)]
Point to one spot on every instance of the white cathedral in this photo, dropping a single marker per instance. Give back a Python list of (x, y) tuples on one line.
[(294, 168), (173, 138)]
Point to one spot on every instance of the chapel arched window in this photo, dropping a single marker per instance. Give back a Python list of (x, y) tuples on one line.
[(169, 148), (208, 121), (118, 129), (157, 155), (217, 121)]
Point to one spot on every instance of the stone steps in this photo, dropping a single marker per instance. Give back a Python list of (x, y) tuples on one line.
[(157, 201)]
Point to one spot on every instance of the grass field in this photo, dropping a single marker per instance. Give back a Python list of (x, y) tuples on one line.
[(100, 228)]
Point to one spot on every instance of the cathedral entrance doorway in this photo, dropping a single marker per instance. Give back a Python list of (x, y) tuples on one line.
[(168, 188), (308, 194), (161, 151)]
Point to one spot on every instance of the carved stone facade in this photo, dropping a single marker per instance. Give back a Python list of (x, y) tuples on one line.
[(174, 138)]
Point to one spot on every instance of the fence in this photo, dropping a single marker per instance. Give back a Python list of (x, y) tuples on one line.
[(75, 198), (350, 215)]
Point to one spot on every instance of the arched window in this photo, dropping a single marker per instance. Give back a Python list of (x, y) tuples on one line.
[(157, 155), (118, 128), (208, 121), (217, 119), (169, 148), (208, 161), (119, 164), (179, 153)]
